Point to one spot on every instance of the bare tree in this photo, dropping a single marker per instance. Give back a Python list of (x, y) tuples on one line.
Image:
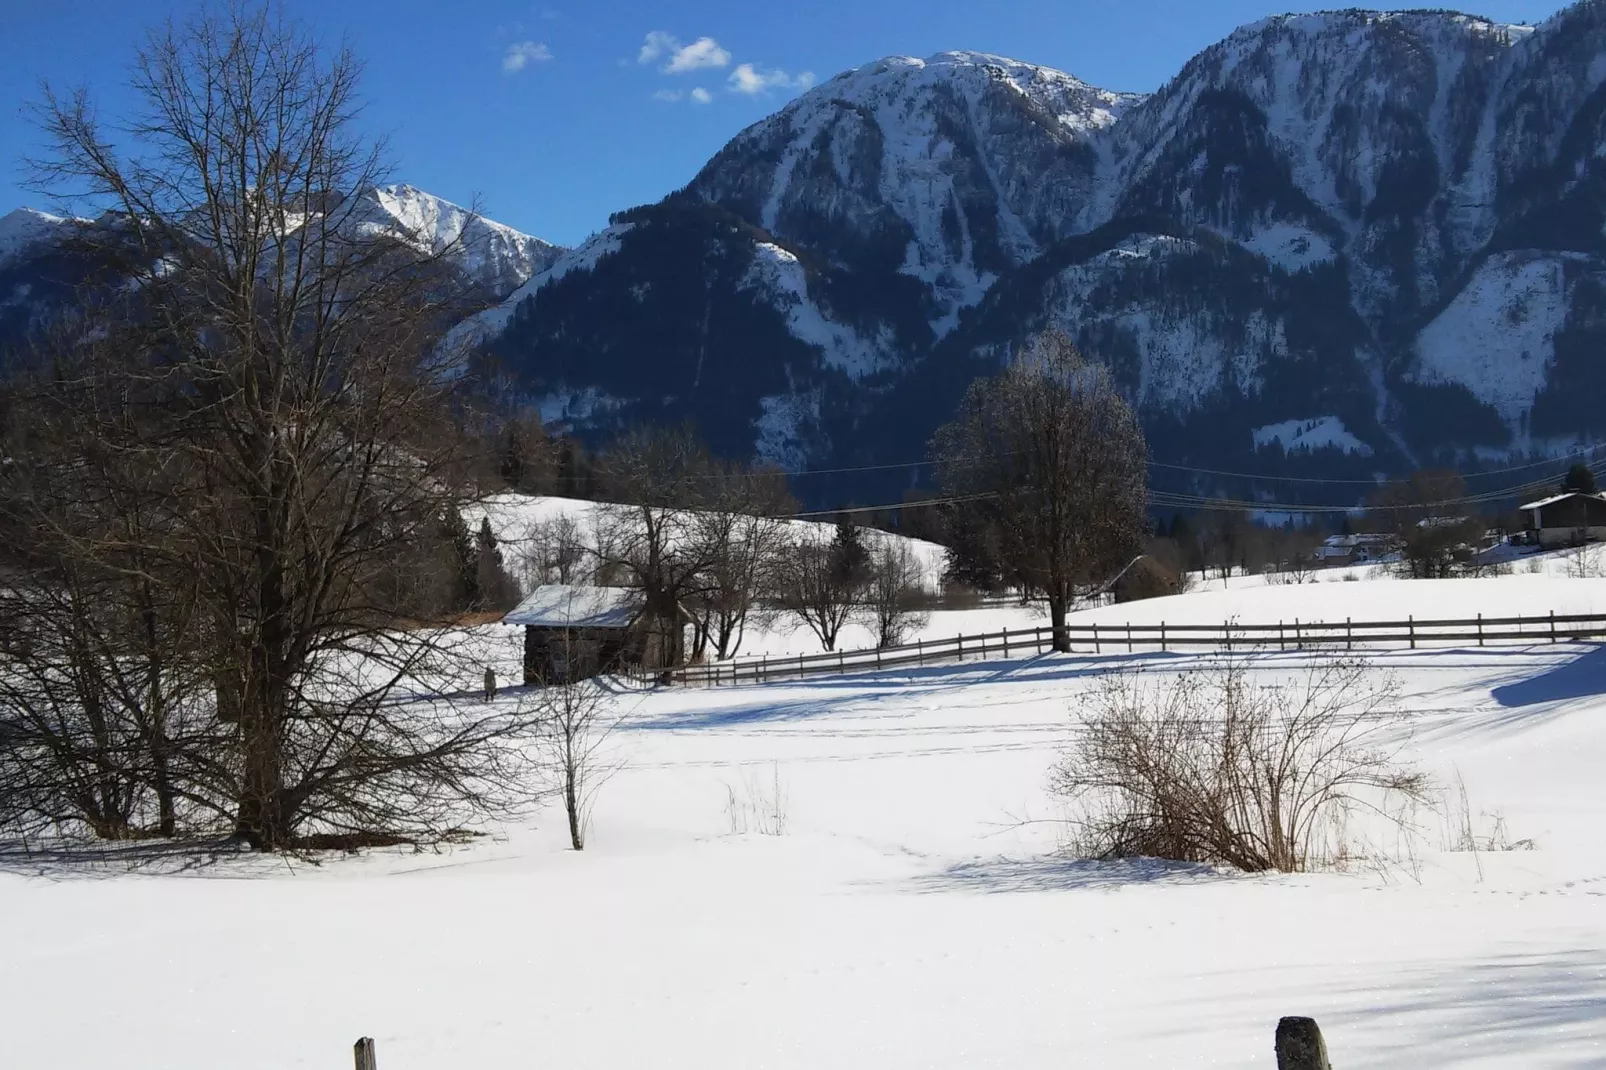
[(895, 598), (1050, 457), (576, 719), (745, 542), (554, 551), (297, 418), (813, 586)]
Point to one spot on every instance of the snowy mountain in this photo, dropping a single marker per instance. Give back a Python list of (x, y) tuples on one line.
[(40, 270), (1395, 219)]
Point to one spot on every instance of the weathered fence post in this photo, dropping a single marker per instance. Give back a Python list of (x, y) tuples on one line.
[(1039, 640), (1162, 637), (1480, 629), (920, 652), (1280, 644), (1410, 622), (364, 1052), (1349, 635), (764, 667), (1096, 648), (1300, 1045), (800, 672), (1552, 625), (1129, 637), (961, 641), (1006, 642), (1299, 642)]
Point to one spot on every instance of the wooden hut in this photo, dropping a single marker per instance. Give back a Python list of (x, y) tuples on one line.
[(571, 633)]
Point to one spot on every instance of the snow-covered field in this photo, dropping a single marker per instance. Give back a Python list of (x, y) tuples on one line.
[(864, 872)]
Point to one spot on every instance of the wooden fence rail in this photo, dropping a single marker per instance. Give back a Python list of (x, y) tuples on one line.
[(1130, 638)]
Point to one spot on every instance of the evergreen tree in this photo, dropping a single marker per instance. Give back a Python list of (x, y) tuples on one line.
[(1580, 478), (463, 560), (494, 588), (850, 561)]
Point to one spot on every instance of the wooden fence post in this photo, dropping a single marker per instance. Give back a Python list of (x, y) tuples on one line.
[(1006, 642), (1299, 643), (1280, 644), (1162, 637), (840, 665), (1300, 1045), (800, 672), (1410, 622), (1480, 629), (1349, 635), (1096, 647), (1129, 637), (961, 641), (920, 652), (764, 667), (364, 1052), (1552, 625), (1039, 640)]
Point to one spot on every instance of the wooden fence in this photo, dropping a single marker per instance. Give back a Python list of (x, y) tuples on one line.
[(1298, 1045), (1131, 638)]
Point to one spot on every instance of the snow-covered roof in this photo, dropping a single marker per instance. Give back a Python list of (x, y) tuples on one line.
[(560, 606), (1554, 498)]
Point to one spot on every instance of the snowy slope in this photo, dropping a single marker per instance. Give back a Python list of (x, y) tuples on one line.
[(865, 873), (1497, 337), (1323, 432)]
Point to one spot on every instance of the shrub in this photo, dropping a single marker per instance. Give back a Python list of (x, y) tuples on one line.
[(1213, 766)]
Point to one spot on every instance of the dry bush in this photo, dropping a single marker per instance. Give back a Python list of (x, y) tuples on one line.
[(1213, 766), (1586, 562)]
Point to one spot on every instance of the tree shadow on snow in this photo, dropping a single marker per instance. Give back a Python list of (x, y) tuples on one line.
[(1582, 677), (92, 859), (842, 689), (1001, 875), (1528, 1008)]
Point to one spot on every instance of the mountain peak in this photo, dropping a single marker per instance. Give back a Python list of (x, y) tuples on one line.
[(24, 227)]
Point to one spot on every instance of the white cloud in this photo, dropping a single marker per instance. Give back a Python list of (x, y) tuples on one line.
[(701, 95), (670, 95), (750, 80), (702, 53), (522, 53), (658, 42)]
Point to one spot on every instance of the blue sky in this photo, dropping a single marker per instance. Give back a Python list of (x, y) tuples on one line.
[(555, 113)]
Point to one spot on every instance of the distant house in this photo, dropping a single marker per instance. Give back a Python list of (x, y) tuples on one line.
[(1570, 519), (1354, 549), (571, 633)]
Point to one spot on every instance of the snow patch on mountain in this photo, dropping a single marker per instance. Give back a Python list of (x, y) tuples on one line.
[(779, 276), (1322, 432), (1497, 337), (1289, 246), (780, 430), (564, 410)]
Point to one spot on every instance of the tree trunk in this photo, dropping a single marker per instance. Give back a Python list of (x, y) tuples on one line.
[(1056, 616), (571, 803)]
